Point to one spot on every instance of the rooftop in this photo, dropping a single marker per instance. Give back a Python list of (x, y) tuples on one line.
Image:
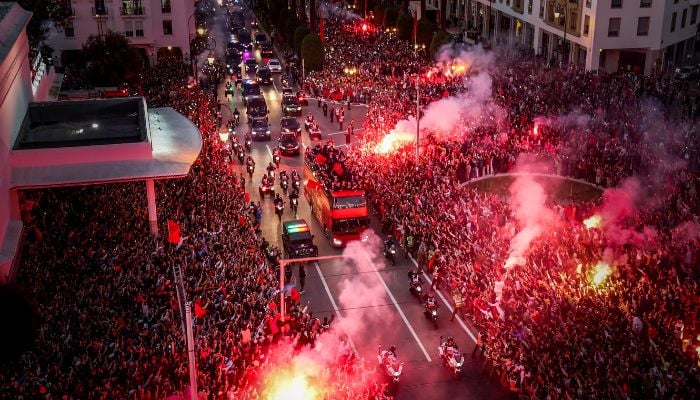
[(82, 123), (13, 19)]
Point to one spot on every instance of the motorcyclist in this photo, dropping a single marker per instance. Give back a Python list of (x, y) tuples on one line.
[(278, 200), (236, 115), (271, 167), (249, 161), (294, 194), (389, 242), (283, 176), (430, 302), (413, 277), (392, 351), (295, 176)]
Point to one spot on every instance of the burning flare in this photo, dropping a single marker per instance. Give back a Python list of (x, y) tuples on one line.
[(600, 273), (294, 387), (393, 141), (592, 221)]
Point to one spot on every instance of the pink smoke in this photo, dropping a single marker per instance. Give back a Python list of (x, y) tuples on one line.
[(618, 210)]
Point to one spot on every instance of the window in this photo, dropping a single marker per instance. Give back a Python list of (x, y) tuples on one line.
[(684, 17), (588, 3), (69, 29), (167, 27), (586, 24), (529, 7), (643, 26), (614, 27), (645, 3), (100, 8), (615, 3), (165, 6), (573, 18), (673, 22), (693, 15), (138, 28), (129, 29)]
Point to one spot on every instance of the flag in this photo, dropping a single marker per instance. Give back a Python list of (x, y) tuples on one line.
[(199, 312), (295, 296), (338, 169), (321, 30), (320, 158), (173, 232)]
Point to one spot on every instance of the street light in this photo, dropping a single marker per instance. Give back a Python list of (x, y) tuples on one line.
[(211, 57)]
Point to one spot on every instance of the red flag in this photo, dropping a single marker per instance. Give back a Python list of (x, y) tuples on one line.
[(173, 232), (247, 197), (295, 296), (272, 305), (321, 30), (199, 312), (320, 158), (338, 169)]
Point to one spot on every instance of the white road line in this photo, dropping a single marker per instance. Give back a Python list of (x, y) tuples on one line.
[(447, 303), (268, 150), (335, 306), (398, 308), (304, 144)]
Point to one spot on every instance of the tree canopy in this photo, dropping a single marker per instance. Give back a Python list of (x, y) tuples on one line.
[(111, 60)]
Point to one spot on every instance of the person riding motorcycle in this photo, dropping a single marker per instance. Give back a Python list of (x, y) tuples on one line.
[(450, 344), (430, 302), (389, 242), (294, 175), (271, 167), (413, 277), (250, 161), (294, 194), (278, 200), (284, 176), (236, 115)]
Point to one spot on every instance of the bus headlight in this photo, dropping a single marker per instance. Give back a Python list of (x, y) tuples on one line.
[(337, 242)]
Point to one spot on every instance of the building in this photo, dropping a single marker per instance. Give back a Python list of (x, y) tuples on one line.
[(646, 36), (62, 143), (148, 24)]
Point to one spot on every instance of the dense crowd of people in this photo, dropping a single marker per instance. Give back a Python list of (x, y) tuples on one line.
[(109, 323), (551, 327)]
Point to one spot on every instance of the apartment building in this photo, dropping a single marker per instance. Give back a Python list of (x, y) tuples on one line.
[(149, 24), (646, 36)]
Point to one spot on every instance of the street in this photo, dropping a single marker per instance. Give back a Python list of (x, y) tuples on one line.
[(369, 291)]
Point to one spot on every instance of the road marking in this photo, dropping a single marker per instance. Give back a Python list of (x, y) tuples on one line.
[(304, 144), (398, 308), (447, 304), (335, 306), (268, 150)]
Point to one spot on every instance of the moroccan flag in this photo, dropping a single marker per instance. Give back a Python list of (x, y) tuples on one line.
[(295, 296), (173, 232), (338, 169), (320, 158), (321, 30), (199, 312), (247, 197)]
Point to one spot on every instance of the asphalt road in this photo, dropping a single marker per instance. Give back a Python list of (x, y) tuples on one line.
[(368, 294)]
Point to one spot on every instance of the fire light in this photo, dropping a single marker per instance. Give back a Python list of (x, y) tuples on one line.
[(600, 273), (293, 388), (392, 142), (535, 130), (364, 27), (592, 221)]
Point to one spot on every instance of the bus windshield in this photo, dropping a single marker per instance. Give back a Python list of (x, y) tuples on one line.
[(348, 202), (354, 225)]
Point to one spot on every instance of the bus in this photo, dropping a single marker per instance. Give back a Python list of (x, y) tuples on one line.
[(341, 211)]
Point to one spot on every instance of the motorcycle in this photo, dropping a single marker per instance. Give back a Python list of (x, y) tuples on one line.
[(431, 313), (241, 155), (296, 183), (271, 174), (390, 253), (295, 205), (279, 208), (451, 357), (250, 168), (415, 287), (390, 364), (276, 159), (248, 143), (284, 183)]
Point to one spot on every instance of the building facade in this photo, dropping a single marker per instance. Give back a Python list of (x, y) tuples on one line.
[(148, 24), (646, 36)]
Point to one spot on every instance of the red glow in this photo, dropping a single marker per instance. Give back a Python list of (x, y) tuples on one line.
[(364, 27)]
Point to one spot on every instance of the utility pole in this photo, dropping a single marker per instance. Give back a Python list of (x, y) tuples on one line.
[(190, 351), (417, 119)]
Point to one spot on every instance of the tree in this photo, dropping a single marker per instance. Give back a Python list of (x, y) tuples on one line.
[(313, 16), (391, 16), (170, 55), (301, 10), (404, 26), (290, 28), (440, 38), (426, 30), (312, 52), (58, 11), (443, 14), (379, 14), (111, 60), (299, 36)]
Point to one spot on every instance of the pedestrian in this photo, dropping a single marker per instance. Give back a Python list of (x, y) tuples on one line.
[(332, 114), (319, 101), (457, 298), (341, 118), (437, 277), (325, 109), (302, 277), (480, 346), (348, 135)]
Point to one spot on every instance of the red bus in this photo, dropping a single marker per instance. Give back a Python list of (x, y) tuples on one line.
[(341, 211)]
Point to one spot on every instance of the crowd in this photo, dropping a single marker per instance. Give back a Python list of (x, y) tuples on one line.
[(551, 328)]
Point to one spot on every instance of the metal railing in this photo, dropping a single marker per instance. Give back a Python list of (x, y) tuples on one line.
[(127, 11)]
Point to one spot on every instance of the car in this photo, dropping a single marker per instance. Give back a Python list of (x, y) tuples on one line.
[(251, 65), (287, 91), (256, 107), (288, 143), (266, 50), (250, 88), (254, 23), (260, 38), (685, 73), (290, 125), (234, 47), (274, 65), (233, 64), (297, 240), (290, 105), (259, 129), (302, 98), (263, 76), (245, 39)]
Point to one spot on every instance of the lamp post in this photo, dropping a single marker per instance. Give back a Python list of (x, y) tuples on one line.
[(417, 119), (560, 11)]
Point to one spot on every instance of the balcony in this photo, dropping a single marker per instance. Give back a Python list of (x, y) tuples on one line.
[(99, 11), (132, 11), (518, 6)]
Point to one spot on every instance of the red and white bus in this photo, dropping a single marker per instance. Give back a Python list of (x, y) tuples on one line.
[(343, 214)]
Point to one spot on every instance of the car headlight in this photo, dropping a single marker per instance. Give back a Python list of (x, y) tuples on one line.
[(337, 242), (267, 132)]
